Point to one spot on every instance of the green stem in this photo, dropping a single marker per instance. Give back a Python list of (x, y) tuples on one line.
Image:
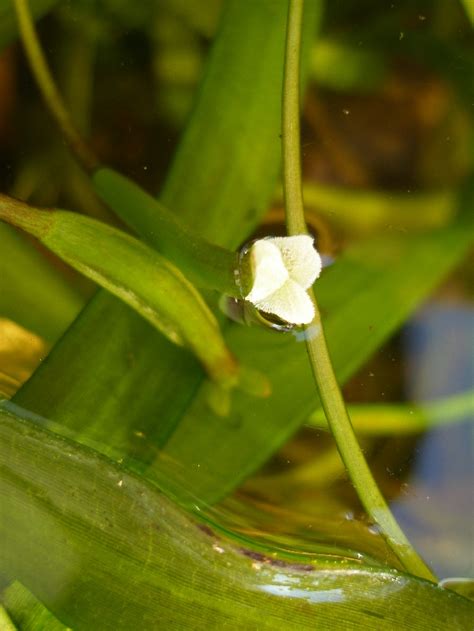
[(329, 391), (292, 191), (48, 88)]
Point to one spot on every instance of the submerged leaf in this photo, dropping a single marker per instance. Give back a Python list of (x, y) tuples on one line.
[(205, 264), (136, 274), (405, 418), (100, 370)]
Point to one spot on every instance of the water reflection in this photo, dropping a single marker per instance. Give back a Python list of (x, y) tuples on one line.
[(436, 510), (318, 596)]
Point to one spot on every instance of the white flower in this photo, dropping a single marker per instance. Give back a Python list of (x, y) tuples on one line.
[(283, 269)]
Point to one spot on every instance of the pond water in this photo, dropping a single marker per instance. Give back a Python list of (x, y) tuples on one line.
[(429, 474), (387, 152)]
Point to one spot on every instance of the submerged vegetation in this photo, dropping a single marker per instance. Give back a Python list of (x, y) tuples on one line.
[(171, 456)]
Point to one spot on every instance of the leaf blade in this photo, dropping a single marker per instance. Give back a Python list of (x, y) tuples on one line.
[(364, 297), (52, 390), (76, 514), (136, 274)]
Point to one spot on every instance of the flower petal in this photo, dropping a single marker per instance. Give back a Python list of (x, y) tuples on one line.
[(300, 257), (268, 270), (290, 303)]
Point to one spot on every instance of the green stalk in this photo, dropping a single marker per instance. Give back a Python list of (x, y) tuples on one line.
[(48, 88), (329, 391)]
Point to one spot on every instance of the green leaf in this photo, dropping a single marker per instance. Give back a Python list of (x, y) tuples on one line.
[(339, 66), (114, 553), (8, 23), (33, 293), (27, 612), (364, 211), (110, 356), (204, 263), (138, 275), (226, 166), (364, 297), (131, 372), (375, 286)]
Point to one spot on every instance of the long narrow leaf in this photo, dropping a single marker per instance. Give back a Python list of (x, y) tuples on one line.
[(364, 297), (5, 621), (226, 166), (138, 275), (115, 554), (110, 356), (205, 264)]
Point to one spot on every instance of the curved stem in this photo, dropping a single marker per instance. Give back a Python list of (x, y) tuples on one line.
[(48, 88), (329, 391)]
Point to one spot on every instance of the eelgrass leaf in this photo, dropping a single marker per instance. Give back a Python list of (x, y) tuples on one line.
[(365, 296), (136, 274), (116, 554), (204, 263), (110, 351)]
